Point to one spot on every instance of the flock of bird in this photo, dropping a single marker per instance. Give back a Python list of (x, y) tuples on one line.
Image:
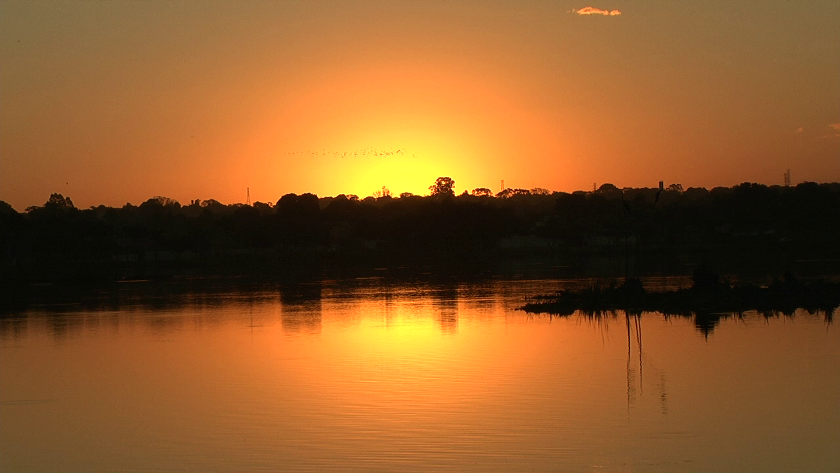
[(366, 152)]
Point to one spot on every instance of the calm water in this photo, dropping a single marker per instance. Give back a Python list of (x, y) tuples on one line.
[(374, 377)]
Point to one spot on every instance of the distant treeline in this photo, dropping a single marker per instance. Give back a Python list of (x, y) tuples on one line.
[(305, 232)]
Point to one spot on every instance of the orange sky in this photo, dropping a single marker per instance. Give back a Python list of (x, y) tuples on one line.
[(115, 102)]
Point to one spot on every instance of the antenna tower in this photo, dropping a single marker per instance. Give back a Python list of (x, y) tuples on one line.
[(787, 178), (248, 196), (503, 186)]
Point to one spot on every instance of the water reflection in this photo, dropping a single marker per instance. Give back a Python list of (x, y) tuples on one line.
[(301, 308), (636, 363), (301, 305), (447, 306), (14, 327), (372, 376)]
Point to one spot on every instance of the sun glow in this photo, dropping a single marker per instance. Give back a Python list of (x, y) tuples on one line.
[(400, 160), (390, 126), (401, 174)]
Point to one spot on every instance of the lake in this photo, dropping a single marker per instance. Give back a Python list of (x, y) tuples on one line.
[(370, 375)]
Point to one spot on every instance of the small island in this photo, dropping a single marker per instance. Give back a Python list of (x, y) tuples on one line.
[(708, 297)]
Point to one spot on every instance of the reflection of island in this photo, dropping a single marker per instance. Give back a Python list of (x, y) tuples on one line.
[(707, 301)]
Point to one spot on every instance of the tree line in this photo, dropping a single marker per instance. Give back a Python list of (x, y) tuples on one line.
[(58, 239)]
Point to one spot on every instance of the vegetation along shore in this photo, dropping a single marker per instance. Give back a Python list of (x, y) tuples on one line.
[(628, 232)]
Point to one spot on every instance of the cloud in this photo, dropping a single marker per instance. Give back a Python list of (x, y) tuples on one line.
[(800, 129), (834, 126), (596, 11)]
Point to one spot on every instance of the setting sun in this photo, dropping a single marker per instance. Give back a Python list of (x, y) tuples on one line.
[(273, 97)]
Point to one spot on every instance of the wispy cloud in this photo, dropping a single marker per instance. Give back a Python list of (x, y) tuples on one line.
[(800, 129), (596, 11), (834, 126)]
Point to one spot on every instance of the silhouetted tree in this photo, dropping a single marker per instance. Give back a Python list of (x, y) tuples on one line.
[(264, 208), (298, 206), (6, 209), (609, 191), (340, 208), (783, 223), (384, 192), (214, 206), (162, 202), (607, 187), (482, 192), (510, 192), (58, 201), (443, 186), (299, 216)]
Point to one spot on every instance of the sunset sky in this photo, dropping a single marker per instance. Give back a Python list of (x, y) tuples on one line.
[(115, 102)]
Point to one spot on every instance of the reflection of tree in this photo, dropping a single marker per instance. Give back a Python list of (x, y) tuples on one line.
[(300, 307), (449, 320), (296, 319), (634, 323), (447, 303), (706, 322), (14, 327), (631, 386)]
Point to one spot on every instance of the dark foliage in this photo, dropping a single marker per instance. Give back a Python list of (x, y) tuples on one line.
[(161, 237)]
